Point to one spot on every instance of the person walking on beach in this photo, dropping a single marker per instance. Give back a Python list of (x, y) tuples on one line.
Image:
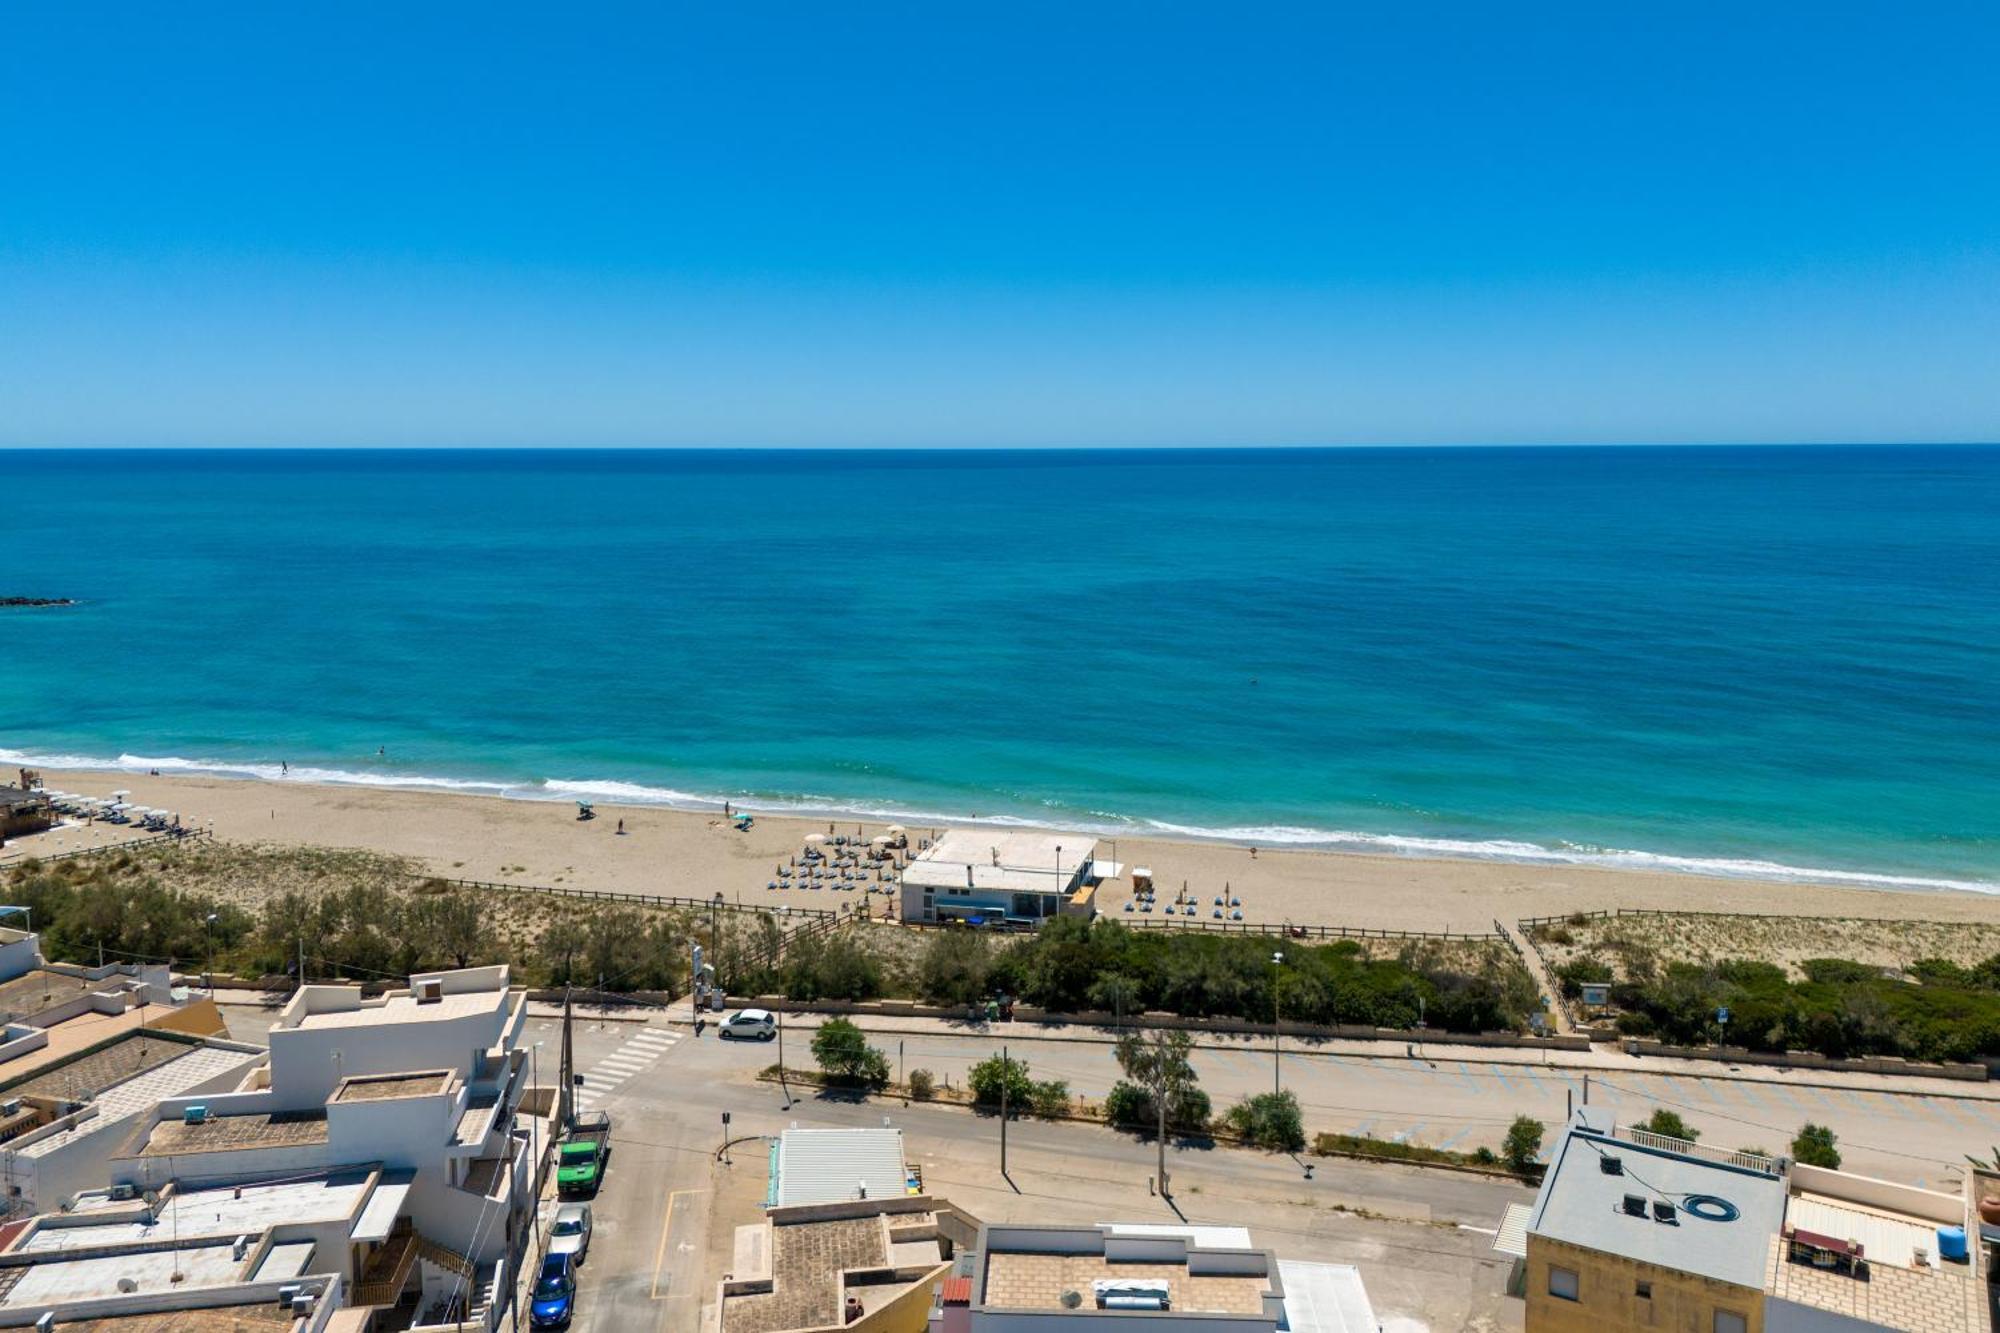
[(284, 769)]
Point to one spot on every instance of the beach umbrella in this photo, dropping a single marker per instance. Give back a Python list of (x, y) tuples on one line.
[(881, 840), (897, 829), (816, 837), (121, 795)]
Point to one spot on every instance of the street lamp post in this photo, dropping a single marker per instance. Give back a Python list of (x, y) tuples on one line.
[(208, 939), (1277, 961)]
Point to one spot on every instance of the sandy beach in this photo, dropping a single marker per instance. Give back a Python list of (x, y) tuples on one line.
[(691, 853)]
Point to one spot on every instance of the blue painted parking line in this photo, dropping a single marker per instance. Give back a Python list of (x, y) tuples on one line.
[(1500, 1073), (1408, 1135), (1465, 1073), (1451, 1142)]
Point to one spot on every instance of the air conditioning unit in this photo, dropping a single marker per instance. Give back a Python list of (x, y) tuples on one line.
[(1663, 1212), (10, 1107), (1634, 1205), (124, 1193), (302, 1305), (196, 1114), (1611, 1166), (289, 1293), (430, 992)]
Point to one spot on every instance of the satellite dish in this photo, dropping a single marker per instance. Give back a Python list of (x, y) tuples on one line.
[(127, 1285), (1072, 1299)]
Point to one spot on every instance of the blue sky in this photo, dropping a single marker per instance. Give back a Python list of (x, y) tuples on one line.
[(1018, 225)]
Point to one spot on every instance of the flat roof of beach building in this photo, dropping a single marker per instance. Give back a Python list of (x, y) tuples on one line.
[(1009, 860)]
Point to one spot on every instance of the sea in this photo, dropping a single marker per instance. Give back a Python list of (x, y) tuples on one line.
[(1767, 662)]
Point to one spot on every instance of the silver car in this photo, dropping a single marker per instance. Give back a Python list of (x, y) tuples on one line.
[(749, 1025), (570, 1234)]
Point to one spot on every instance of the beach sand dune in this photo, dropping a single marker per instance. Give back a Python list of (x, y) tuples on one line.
[(697, 855)]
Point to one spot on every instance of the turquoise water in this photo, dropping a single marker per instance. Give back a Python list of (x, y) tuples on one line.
[(1735, 660)]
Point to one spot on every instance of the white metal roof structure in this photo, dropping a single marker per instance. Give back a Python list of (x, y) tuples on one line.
[(1325, 1298), (836, 1165), (1008, 860)]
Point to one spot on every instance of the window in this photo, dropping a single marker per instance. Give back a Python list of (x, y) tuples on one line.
[(1562, 1286), (1728, 1321), (1644, 1291)]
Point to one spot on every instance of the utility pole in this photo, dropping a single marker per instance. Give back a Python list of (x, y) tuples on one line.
[(787, 1087), (1160, 1102), (565, 1110), (1277, 962), (1006, 1072)]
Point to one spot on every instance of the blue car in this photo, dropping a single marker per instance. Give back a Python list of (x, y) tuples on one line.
[(555, 1294)]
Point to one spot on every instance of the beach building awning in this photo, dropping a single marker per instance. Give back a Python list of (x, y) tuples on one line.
[(1513, 1237), (1106, 870), (378, 1218)]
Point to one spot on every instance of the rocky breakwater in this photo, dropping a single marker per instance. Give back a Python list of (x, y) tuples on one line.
[(37, 601)]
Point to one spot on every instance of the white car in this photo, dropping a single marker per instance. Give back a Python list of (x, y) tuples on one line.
[(570, 1233), (749, 1025)]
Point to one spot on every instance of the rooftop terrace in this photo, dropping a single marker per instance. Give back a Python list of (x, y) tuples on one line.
[(230, 1211), (230, 1132), (381, 1087)]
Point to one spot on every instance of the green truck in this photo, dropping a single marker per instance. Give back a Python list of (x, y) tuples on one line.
[(580, 1156)]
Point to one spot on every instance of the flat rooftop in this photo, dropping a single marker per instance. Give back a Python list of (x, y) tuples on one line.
[(261, 1317), (1581, 1204), (82, 1078), (224, 1212), (230, 1132), (53, 1280), (399, 1009), (1016, 1281), (189, 1067), (1017, 860), (382, 1087), (41, 989), (807, 1260)]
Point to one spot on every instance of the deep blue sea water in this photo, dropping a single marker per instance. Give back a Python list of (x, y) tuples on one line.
[(1731, 659)]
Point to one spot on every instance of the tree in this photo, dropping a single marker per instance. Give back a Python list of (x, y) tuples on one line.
[(1814, 1146), (845, 1056), (456, 925), (954, 966), (1158, 1064), (1523, 1143), (1270, 1120), (560, 944), (1668, 1124), (991, 1075)]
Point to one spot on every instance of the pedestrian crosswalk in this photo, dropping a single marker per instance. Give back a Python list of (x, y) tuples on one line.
[(635, 1055)]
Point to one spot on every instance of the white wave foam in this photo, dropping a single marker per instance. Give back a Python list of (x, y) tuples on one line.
[(230, 768), (630, 792), (1101, 823)]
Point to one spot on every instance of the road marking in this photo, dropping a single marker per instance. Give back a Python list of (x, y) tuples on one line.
[(1501, 1075), (1450, 1142), (1408, 1135), (1466, 1074), (666, 1229)]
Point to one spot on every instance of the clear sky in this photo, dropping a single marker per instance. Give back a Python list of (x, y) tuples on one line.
[(1097, 223)]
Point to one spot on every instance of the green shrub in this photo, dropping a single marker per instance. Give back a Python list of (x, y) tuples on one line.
[(1485, 1156), (1815, 1146), (845, 1056), (1572, 975), (991, 1075), (1669, 1124), (1050, 1098), (1522, 1144), (1269, 1120), (922, 1086), (1130, 1106)]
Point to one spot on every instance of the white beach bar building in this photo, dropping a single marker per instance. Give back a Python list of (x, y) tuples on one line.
[(1020, 876)]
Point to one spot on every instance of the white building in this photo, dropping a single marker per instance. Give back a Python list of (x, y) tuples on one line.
[(1144, 1279), (1021, 876), (419, 1091)]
